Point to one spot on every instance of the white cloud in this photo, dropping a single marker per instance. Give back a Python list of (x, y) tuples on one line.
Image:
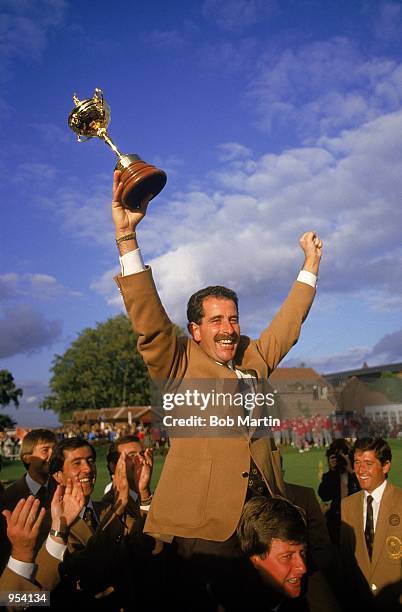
[(321, 87), (349, 359), (106, 287), (38, 286), (229, 151), (243, 232), (387, 350)]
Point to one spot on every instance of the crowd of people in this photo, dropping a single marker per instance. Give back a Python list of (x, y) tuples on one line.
[(55, 537)]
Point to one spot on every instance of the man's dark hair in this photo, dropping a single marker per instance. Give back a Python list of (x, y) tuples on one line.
[(68, 444), (264, 519), (195, 310), (338, 446), (113, 454), (378, 445)]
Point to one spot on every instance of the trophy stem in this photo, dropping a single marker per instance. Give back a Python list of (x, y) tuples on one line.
[(105, 136)]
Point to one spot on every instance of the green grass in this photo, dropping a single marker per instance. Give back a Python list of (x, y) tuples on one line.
[(304, 469)]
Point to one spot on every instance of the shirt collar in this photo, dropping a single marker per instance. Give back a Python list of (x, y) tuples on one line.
[(32, 485), (134, 495), (90, 504), (377, 493)]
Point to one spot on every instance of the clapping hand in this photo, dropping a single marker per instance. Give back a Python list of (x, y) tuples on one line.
[(23, 525)]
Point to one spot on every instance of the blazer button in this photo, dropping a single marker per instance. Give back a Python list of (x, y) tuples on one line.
[(245, 474)]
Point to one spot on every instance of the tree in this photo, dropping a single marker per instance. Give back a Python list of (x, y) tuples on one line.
[(6, 422), (390, 385), (101, 369), (8, 391)]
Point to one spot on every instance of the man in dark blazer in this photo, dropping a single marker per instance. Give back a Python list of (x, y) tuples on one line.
[(35, 453), (371, 529), (340, 481), (26, 570)]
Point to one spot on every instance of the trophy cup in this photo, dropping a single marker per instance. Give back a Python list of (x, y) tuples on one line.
[(90, 118)]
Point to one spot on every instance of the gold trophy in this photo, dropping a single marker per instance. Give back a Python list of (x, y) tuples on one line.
[(90, 118)]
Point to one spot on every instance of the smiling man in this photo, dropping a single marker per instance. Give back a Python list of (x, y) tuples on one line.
[(94, 537), (272, 534), (35, 453), (371, 530), (75, 459), (206, 480)]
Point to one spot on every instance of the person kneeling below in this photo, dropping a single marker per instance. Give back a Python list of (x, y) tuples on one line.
[(272, 534)]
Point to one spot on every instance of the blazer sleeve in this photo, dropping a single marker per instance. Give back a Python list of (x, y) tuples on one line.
[(163, 352), (284, 330), (10, 581)]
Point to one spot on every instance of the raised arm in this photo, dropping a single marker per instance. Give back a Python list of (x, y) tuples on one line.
[(284, 330), (125, 220)]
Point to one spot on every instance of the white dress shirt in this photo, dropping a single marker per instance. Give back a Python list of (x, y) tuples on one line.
[(376, 495)]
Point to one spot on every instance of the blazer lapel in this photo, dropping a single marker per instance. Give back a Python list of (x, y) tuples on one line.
[(381, 526), (361, 548)]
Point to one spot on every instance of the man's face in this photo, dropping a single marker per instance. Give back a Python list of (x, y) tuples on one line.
[(283, 567), (80, 466), (369, 471), (218, 334), (132, 450), (39, 460)]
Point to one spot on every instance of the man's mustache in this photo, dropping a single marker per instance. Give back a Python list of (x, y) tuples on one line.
[(233, 337)]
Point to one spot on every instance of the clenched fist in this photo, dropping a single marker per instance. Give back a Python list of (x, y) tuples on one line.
[(311, 244)]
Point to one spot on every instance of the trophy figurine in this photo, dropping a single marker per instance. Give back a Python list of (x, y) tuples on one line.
[(90, 118)]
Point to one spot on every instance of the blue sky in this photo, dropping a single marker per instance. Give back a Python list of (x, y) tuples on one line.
[(270, 118)]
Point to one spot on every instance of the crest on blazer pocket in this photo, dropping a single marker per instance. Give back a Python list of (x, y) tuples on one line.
[(394, 547)]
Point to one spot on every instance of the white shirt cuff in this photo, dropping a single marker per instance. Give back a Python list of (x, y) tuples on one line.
[(131, 263), (55, 549), (145, 508), (22, 568), (307, 277)]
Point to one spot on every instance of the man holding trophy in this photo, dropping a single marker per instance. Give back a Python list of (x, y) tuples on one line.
[(205, 481)]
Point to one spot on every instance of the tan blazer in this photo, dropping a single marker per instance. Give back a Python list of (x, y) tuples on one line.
[(203, 484), (386, 564), (46, 578)]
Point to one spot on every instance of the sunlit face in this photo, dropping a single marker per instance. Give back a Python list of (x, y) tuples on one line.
[(369, 471), (218, 334), (39, 460), (283, 567), (79, 465), (132, 451)]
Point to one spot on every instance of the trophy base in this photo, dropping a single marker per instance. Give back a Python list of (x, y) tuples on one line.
[(139, 181)]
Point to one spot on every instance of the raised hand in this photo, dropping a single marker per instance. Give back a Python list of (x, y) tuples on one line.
[(125, 220), (143, 473), (67, 505), (311, 244), (120, 485), (23, 525)]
